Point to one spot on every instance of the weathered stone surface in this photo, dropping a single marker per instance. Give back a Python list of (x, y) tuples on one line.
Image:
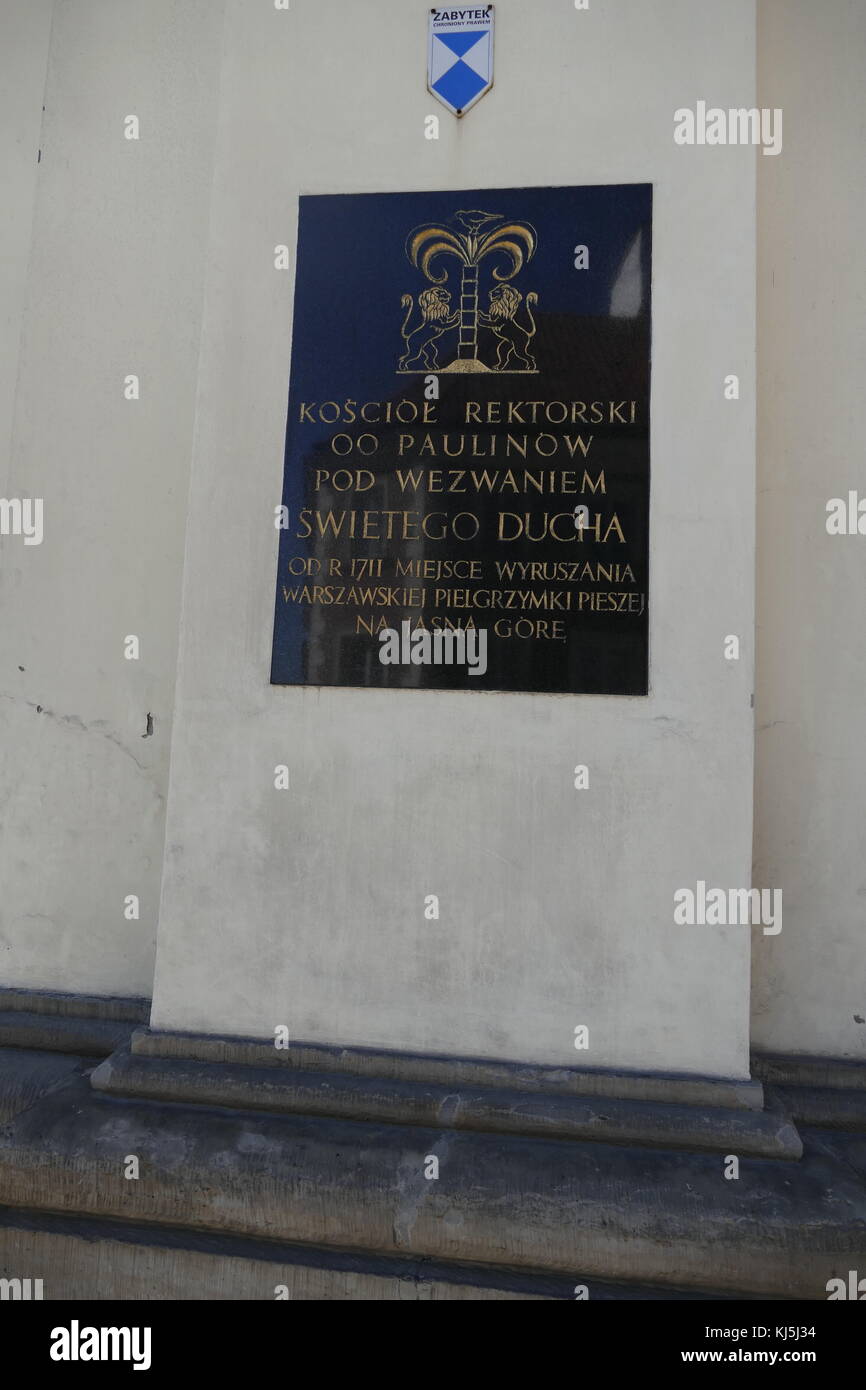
[(52, 1002), (768, 1134), (109, 1260), (826, 1108), (452, 1071), (569, 1208), (26, 1076), (94, 1037), (830, 1072), (85, 1024)]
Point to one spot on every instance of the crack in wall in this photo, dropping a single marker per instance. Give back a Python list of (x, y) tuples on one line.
[(98, 727)]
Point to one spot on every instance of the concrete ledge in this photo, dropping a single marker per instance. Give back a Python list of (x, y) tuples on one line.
[(834, 1073), (92, 1037), (105, 1006), (824, 1109), (768, 1134), (78, 1024), (84, 1259), (647, 1216), (824, 1092), (452, 1071)]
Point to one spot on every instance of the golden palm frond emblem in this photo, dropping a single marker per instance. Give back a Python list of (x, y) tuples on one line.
[(513, 244)]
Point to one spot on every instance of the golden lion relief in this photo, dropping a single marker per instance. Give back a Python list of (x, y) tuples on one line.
[(513, 338), (472, 237), (436, 319)]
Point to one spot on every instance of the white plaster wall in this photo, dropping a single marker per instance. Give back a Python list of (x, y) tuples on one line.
[(25, 26), (810, 821), (115, 287), (306, 907)]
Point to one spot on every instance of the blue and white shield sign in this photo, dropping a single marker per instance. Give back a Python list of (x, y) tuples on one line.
[(460, 58)]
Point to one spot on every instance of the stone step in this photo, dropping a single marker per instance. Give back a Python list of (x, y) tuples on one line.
[(571, 1209), (767, 1133), (81, 1258), (79, 1024)]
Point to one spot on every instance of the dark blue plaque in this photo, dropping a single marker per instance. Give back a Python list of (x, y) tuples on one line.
[(466, 488)]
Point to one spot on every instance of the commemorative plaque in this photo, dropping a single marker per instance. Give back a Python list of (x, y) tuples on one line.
[(466, 484)]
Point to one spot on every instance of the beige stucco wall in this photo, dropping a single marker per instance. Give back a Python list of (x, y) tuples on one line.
[(306, 907), (114, 287), (26, 29), (105, 246), (809, 983)]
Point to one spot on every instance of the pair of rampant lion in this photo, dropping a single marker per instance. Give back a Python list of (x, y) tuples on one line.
[(513, 339)]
